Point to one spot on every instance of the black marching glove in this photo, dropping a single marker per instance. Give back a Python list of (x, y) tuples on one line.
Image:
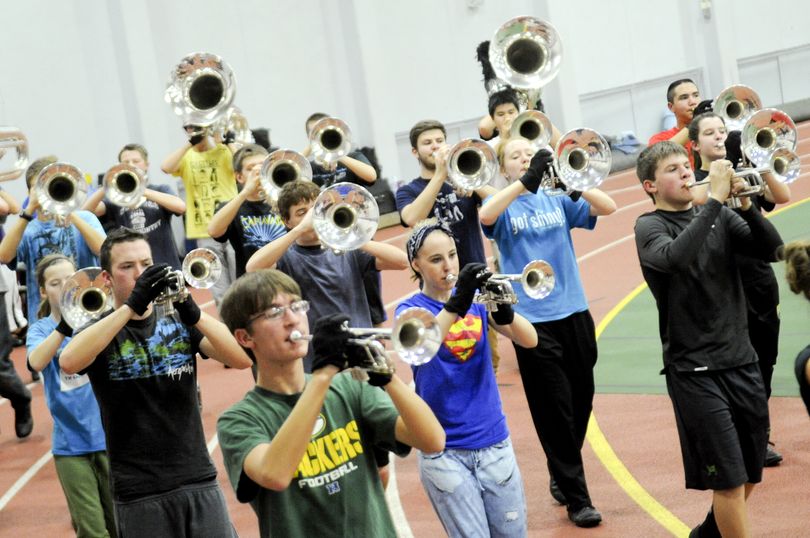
[(64, 328), (537, 169), (734, 148), (575, 195), (148, 286), (196, 138), (330, 342), (505, 315), (188, 311), (703, 107), (377, 379), (470, 279), (229, 138)]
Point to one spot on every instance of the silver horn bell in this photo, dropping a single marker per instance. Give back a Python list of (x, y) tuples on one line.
[(345, 216), (61, 189), (124, 185), (526, 52), (330, 139), (201, 88), (281, 167), (85, 297), (471, 164), (13, 138)]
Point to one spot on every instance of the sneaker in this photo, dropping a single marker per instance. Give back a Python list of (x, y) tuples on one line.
[(556, 492), (772, 457), (23, 421), (707, 529), (587, 516)]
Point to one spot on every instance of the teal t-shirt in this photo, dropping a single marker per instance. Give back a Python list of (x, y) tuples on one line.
[(336, 490)]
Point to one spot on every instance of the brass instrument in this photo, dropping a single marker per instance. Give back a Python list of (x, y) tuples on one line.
[(330, 139), (736, 104), (582, 161), (416, 336), (201, 88), (281, 167), (471, 164), (345, 217), (85, 297), (61, 189), (201, 269), (124, 185), (537, 279), (526, 52), (13, 138), (534, 126)]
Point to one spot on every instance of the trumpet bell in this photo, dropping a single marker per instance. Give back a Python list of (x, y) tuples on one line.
[(736, 104), (416, 336), (124, 185), (201, 268), (330, 139), (526, 52), (61, 189), (201, 88), (13, 138), (766, 131), (85, 297), (537, 279), (345, 216), (582, 159), (534, 126), (281, 167), (471, 164), (235, 121), (786, 165)]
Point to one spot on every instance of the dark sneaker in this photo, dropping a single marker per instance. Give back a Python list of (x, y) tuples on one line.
[(556, 492), (587, 516), (772, 457), (23, 421)]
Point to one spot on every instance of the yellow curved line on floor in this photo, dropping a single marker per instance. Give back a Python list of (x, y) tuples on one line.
[(607, 455)]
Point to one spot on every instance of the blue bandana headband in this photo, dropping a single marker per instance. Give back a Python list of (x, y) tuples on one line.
[(419, 235)]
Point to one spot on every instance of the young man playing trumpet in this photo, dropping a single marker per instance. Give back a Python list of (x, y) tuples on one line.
[(688, 258), (247, 221), (143, 370), (298, 446), (152, 217)]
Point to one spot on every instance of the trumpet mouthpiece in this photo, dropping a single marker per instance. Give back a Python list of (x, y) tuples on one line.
[(451, 277)]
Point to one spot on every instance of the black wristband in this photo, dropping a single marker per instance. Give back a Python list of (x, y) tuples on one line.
[(64, 328), (377, 379), (26, 216), (505, 315)]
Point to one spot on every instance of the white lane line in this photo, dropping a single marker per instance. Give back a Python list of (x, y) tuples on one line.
[(604, 248), (24, 479), (212, 444), (394, 504)]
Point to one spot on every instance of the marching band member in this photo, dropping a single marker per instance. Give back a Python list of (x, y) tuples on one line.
[(707, 132), (557, 375), (353, 168), (687, 256), (143, 371), (298, 446), (78, 446), (474, 484)]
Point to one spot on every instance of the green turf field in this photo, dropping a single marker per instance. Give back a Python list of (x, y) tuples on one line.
[(630, 350)]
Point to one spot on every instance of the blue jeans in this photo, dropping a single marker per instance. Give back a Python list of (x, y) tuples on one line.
[(476, 493)]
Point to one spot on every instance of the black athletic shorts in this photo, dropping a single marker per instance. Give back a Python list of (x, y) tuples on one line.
[(722, 419)]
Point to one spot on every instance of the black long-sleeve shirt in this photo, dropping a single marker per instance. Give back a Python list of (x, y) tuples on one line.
[(687, 258)]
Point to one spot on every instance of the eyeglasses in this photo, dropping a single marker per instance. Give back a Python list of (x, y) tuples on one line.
[(275, 312)]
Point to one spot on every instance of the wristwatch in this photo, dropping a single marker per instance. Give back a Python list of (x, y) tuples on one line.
[(26, 216)]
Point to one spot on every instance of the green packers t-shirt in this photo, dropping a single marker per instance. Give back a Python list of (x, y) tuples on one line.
[(336, 490)]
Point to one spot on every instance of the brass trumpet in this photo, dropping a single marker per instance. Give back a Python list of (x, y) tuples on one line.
[(416, 336), (345, 216), (534, 126), (537, 279), (201, 269), (281, 167), (471, 164), (201, 88), (330, 139), (124, 185), (736, 104), (13, 138), (526, 52), (582, 161), (61, 189)]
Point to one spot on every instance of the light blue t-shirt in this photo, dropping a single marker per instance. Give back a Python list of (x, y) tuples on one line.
[(538, 226), (458, 384), (77, 425), (44, 237)]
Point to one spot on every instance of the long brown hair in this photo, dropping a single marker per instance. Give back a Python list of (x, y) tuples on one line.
[(42, 266)]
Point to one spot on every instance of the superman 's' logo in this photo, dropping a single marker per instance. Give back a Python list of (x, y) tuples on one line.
[(464, 334)]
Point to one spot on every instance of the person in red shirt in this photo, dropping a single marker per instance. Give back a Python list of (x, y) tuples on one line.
[(683, 99)]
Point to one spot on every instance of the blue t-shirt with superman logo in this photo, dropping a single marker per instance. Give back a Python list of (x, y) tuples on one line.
[(458, 383)]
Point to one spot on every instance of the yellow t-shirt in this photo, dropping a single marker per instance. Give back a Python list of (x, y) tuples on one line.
[(208, 179)]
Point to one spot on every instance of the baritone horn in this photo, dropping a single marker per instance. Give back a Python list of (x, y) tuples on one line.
[(281, 167), (201, 88), (124, 185), (526, 52), (582, 161), (471, 164), (12, 138), (330, 139), (61, 189), (345, 217), (534, 126), (416, 336), (736, 104), (201, 269), (85, 297)]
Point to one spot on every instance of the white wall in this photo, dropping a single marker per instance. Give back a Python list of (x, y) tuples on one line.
[(83, 77)]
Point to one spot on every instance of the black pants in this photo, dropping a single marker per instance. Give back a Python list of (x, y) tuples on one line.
[(558, 380), (762, 299), (11, 386)]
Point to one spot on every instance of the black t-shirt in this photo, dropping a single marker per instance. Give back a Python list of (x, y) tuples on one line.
[(752, 271), (323, 177), (152, 219), (254, 225), (687, 258), (145, 382)]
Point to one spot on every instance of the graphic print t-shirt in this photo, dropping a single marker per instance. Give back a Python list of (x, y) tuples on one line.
[(145, 381), (254, 225)]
